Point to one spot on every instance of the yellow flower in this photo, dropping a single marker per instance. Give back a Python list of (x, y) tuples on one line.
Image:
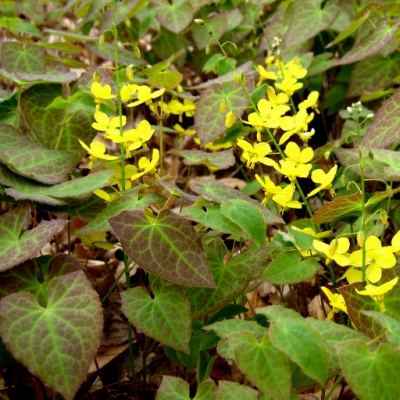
[(147, 166), (395, 247), (284, 198), (175, 107), (276, 100), (324, 180), (253, 154), (265, 75), (289, 85), (293, 69), (376, 257), (336, 251), (182, 131), (107, 197), (129, 170), (306, 136), (144, 95), (100, 92), (127, 91), (311, 232), (353, 275), (103, 123), (294, 124), (336, 301), (292, 171), (269, 187), (378, 292), (297, 156), (230, 119), (310, 102), (96, 151)]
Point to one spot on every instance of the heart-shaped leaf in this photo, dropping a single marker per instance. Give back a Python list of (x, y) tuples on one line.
[(173, 15), (264, 365), (173, 388), (17, 245), (371, 374), (168, 246), (56, 343), (231, 279), (213, 161), (28, 59), (166, 318), (54, 128), (291, 334), (32, 160), (289, 267), (233, 390)]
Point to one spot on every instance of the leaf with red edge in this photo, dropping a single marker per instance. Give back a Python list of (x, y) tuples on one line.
[(28, 59), (374, 41), (17, 245), (168, 247), (213, 161), (385, 130), (166, 317), (57, 343)]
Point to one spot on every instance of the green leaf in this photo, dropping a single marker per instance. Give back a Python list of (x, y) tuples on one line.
[(204, 365), (289, 268), (352, 28), (173, 15), (209, 122), (165, 79), (173, 388), (32, 160), (385, 130), (61, 77), (168, 247), (129, 201), (231, 279), (334, 333), (56, 343), (66, 193), (107, 51), (224, 194), (233, 390), (23, 277), (218, 23), (166, 317), (338, 208), (18, 244), (72, 36), (227, 327), (264, 365), (248, 217), (206, 391), (391, 326), (374, 41), (17, 59), (49, 125), (308, 19), (62, 46), (321, 63), (291, 334), (371, 374), (213, 161), (212, 218), (373, 73)]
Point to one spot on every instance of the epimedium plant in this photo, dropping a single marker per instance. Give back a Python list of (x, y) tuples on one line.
[(134, 117)]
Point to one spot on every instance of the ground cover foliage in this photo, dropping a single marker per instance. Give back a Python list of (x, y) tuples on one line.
[(207, 190)]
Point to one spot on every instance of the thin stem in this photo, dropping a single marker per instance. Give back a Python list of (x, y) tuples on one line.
[(335, 385), (160, 124), (69, 234)]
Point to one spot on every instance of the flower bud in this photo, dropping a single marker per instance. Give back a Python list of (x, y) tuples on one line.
[(129, 73), (349, 185), (243, 78), (370, 155), (101, 40), (236, 77), (96, 76), (136, 52), (343, 180), (369, 116), (230, 119), (208, 49), (384, 217), (350, 110), (361, 238), (222, 106), (215, 69), (198, 21), (333, 247), (327, 155), (128, 22)]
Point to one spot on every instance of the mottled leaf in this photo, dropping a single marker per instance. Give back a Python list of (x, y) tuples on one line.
[(289, 267), (173, 388), (233, 390), (166, 317), (310, 19), (218, 23), (211, 124), (165, 79), (54, 128), (264, 365), (168, 246), (230, 279), (221, 193), (66, 193), (32, 160), (371, 374), (28, 59), (374, 41), (321, 63), (173, 15), (213, 161), (18, 243), (291, 334), (206, 391), (248, 217), (385, 130), (107, 51), (373, 73), (129, 201), (390, 325), (56, 343)]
